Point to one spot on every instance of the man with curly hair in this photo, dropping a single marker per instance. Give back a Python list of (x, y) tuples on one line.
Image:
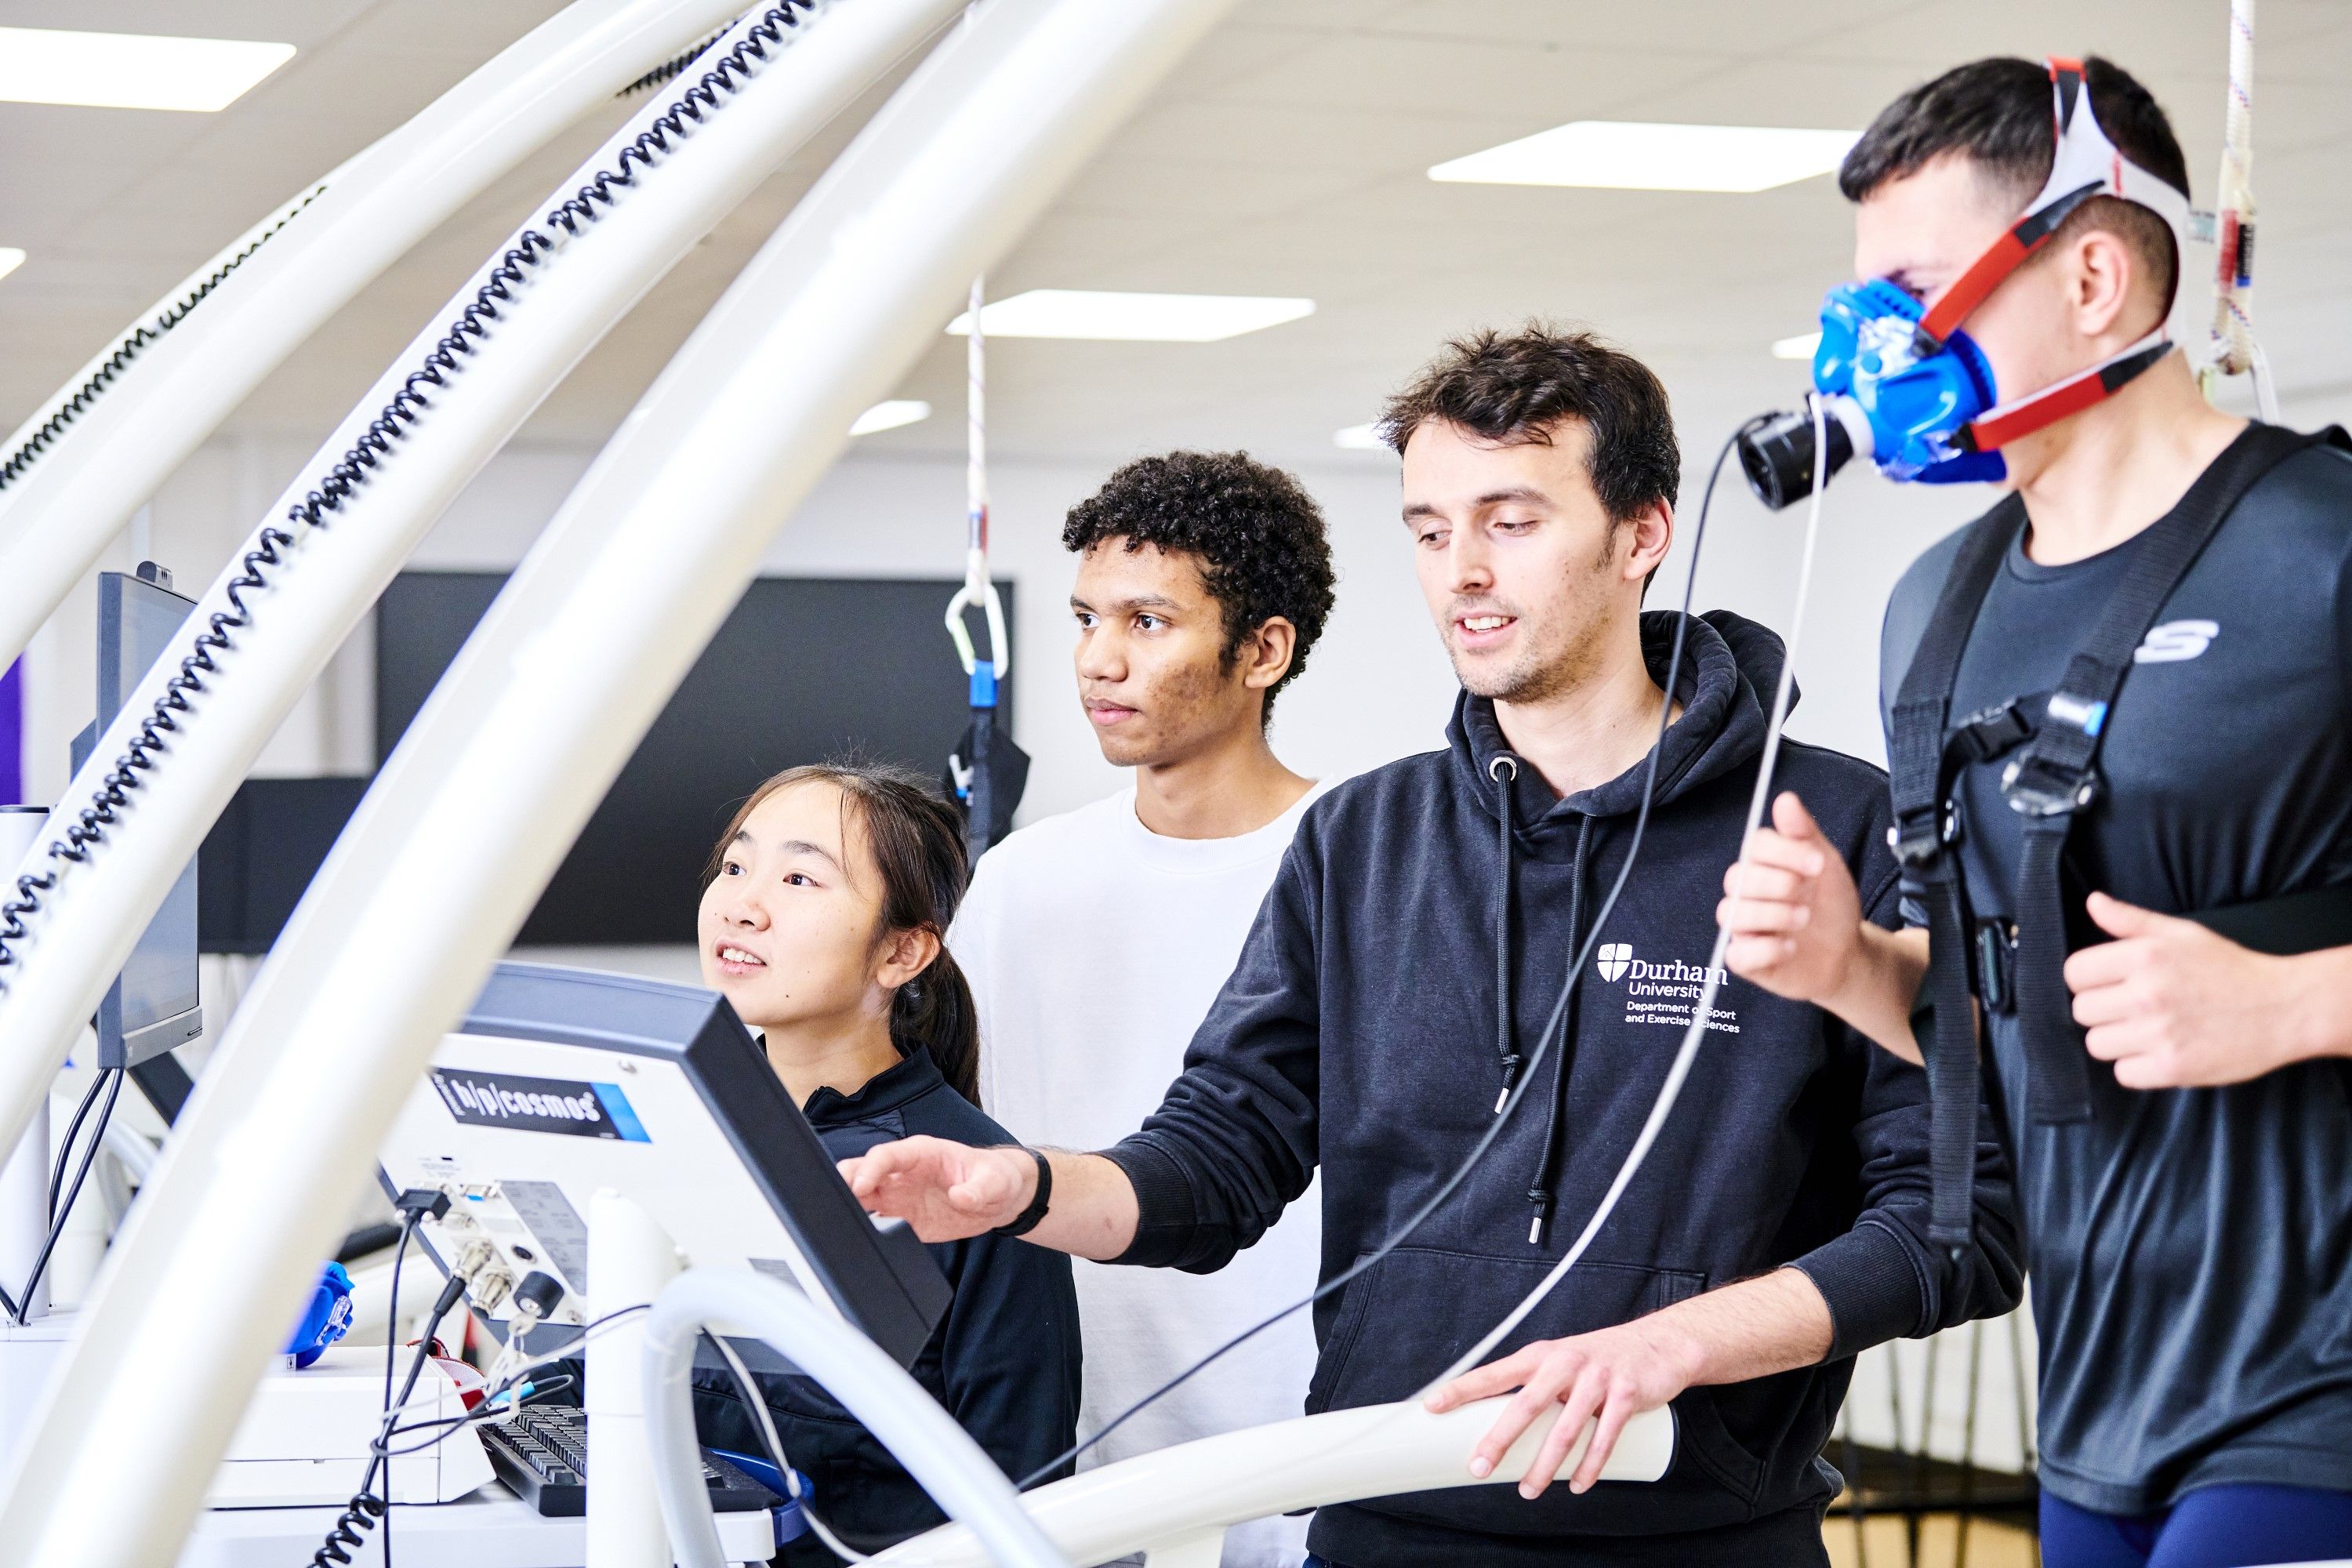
[(1096, 941)]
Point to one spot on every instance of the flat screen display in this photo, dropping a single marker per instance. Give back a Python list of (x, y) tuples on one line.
[(804, 670), (154, 1006)]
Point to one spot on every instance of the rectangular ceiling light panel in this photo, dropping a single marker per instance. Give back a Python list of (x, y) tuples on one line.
[(1802, 346), (132, 71), (1109, 317), (1626, 155), (11, 258), (890, 415)]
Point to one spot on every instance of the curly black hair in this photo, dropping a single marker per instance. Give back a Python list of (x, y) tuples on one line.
[(1257, 534)]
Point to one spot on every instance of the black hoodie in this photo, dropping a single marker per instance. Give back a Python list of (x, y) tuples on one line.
[(1361, 1031)]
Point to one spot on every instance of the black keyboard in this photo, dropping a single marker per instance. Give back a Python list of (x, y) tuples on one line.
[(542, 1455)]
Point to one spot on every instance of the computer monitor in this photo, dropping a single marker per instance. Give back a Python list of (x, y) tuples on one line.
[(154, 1005), (562, 1081), (803, 668)]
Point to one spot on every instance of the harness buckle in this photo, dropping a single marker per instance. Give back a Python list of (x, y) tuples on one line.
[(2036, 787), (1919, 838), (1992, 731), (2084, 713), (1996, 963), (1917, 844)]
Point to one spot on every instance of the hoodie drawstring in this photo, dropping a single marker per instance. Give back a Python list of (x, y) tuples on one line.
[(1547, 1164), (1504, 771)]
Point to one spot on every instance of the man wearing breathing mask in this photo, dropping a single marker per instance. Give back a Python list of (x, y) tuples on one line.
[(2119, 722)]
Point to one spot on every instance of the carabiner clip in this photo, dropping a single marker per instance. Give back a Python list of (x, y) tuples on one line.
[(978, 589)]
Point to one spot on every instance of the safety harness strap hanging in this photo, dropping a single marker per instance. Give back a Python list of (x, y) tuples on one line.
[(986, 772), (1920, 779)]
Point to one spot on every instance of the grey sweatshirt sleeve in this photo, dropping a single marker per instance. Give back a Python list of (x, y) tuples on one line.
[(1884, 1279), (1233, 1142)]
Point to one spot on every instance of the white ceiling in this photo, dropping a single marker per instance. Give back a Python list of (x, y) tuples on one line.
[(1285, 156)]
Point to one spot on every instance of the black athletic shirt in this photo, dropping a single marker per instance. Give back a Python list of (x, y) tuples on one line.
[(2189, 1250)]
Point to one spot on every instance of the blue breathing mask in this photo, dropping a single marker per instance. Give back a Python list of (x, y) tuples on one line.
[(1915, 405), (1900, 383)]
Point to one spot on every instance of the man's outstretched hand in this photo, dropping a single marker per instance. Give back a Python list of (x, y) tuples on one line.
[(947, 1191)]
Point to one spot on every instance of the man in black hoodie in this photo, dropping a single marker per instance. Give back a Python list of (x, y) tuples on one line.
[(1779, 1224)]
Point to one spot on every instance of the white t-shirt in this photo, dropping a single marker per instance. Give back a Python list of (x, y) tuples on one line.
[(1095, 947)]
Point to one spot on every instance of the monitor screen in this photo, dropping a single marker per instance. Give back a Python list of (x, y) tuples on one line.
[(261, 853), (563, 1082), (154, 1006), (803, 669)]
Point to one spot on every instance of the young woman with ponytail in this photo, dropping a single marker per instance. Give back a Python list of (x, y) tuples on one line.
[(821, 914)]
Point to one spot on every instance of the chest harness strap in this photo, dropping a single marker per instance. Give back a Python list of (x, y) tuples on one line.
[(2053, 775)]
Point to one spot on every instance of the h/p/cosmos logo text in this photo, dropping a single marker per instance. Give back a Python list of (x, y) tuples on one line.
[(538, 1104)]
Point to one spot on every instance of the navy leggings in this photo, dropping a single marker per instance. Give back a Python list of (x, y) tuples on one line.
[(2213, 1527)]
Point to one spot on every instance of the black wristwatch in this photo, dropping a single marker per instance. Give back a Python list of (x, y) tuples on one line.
[(1026, 1220)]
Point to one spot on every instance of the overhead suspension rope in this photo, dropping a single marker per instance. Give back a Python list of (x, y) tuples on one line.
[(986, 772), (2234, 350)]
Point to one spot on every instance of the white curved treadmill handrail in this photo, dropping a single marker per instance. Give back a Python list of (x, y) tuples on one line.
[(323, 580), (58, 516), (956, 1471), (1185, 1496), (470, 816)]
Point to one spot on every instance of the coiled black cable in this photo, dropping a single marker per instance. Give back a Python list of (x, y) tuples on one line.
[(365, 1507), (132, 347), (368, 1505), (360, 1513), (669, 69), (351, 472)]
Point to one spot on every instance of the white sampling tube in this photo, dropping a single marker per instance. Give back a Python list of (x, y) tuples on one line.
[(955, 1471), (92, 454), (317, 579), (512, 753), (1172, 1497)]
